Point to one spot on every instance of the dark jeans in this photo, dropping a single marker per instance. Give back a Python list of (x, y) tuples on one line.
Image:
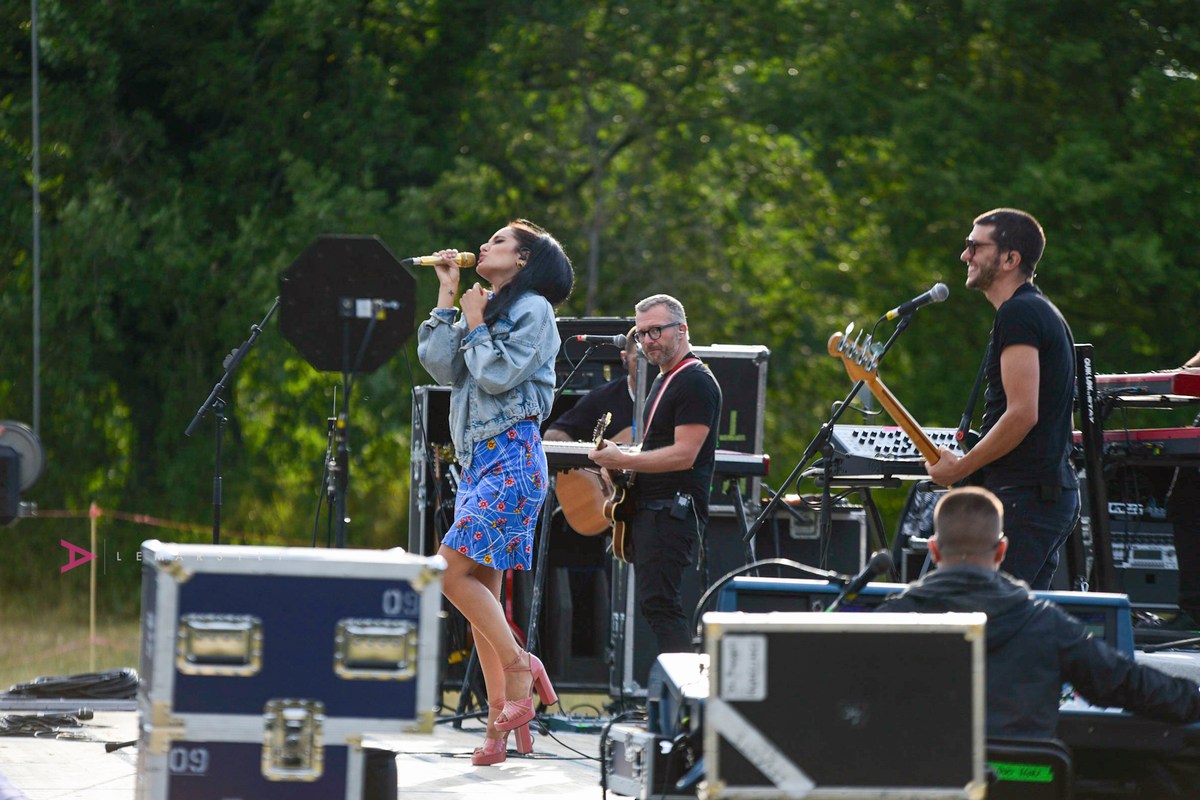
[(663, 548), (1036, 529)]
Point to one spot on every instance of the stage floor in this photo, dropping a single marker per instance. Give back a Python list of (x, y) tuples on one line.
[(430, 767)]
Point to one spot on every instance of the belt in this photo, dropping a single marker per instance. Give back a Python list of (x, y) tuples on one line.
[(654, 505)]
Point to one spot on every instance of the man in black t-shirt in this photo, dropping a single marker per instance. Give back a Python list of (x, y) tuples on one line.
[(674, 467), (1024, 453)]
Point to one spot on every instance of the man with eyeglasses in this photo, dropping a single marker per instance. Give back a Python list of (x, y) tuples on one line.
[(1033, 646), (1024, 453), (674, 467)]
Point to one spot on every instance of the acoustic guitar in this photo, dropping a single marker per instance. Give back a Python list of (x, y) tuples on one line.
[(583, 492), (862, 364), (620, 510)]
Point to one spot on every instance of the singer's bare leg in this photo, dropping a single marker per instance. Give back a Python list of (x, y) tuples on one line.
[(474, 589)]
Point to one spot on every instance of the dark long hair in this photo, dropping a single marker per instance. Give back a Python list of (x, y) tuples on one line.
[(547, 271)]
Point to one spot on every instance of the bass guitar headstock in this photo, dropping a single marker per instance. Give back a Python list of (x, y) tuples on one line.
[(861, 358)]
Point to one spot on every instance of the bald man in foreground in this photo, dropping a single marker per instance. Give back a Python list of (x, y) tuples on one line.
[(1032, 645)]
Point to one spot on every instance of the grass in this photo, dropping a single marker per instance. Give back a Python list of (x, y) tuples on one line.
[(56, 642)]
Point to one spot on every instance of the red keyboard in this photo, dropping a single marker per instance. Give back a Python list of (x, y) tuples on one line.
[(1185, 383)]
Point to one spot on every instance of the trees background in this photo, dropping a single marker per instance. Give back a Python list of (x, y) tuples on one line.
[(782, 166)]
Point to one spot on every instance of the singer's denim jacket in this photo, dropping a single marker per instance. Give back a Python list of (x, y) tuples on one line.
[(500, 374)]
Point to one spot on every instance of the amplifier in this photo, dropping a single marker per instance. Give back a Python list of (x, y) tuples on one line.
[(642, 764), (795, 533), (1147, 568), (1107, 615), (601, 366)]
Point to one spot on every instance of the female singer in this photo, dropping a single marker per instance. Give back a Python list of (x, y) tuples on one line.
[(498, 357)]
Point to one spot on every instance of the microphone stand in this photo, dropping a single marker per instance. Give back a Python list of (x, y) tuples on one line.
[(823, 443), (217, 404)]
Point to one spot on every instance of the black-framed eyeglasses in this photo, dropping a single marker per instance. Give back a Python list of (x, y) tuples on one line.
[(655, 333), (973, 245)]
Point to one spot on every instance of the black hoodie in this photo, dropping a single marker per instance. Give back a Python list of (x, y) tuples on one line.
[(1033, 647)]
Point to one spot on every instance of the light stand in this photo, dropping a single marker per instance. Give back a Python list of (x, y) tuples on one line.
[(347, 306)]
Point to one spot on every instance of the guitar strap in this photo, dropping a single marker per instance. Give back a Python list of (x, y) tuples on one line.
[(964, 425), (662, 389)]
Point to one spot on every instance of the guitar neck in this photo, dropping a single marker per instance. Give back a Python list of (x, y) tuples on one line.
[(899, 413)]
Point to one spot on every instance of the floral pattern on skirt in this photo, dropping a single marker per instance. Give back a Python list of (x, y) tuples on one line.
[(499, 498)]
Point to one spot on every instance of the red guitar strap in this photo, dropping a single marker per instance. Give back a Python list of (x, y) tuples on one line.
[(687, 362)]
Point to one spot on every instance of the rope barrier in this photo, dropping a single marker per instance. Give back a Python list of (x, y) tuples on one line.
[(96, 512)]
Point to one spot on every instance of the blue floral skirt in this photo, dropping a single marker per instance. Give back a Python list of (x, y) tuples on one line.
[(499, 497)]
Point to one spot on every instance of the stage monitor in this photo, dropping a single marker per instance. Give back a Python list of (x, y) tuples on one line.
[(1106, 615)]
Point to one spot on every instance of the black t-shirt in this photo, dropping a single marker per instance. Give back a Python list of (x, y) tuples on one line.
[(1043, 458), (693, 397), (579, 421)]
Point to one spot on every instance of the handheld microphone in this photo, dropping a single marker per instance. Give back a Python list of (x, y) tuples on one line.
[(879, 563), (615, 341), (463, 260), (936, 294)]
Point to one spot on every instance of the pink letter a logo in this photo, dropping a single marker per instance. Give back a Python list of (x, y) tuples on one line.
[(84, 556)]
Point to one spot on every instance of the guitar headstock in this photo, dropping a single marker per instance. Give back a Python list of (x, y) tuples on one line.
[(861, 358), (601, 426)]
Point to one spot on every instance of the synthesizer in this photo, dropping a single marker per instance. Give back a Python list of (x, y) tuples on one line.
[(884, 450), (1177, 383)]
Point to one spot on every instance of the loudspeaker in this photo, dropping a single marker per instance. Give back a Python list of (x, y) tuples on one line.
[(795, 533), (432, 473), (741, 371)]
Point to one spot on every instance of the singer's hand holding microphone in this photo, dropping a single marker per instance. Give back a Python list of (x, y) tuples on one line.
[(447, 263)]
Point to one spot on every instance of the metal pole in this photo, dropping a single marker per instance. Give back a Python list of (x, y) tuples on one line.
[(37, 224)]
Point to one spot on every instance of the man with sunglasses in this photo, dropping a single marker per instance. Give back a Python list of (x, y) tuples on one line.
[(1033, 646), (1024, 453), (674, 467)]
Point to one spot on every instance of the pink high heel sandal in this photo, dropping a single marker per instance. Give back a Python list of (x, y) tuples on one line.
[(520, 712), (495, 751)]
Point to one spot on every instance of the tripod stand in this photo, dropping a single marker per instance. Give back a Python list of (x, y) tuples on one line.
[(347, 306)]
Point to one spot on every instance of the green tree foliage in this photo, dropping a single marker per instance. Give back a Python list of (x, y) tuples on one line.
[(783, 166)]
